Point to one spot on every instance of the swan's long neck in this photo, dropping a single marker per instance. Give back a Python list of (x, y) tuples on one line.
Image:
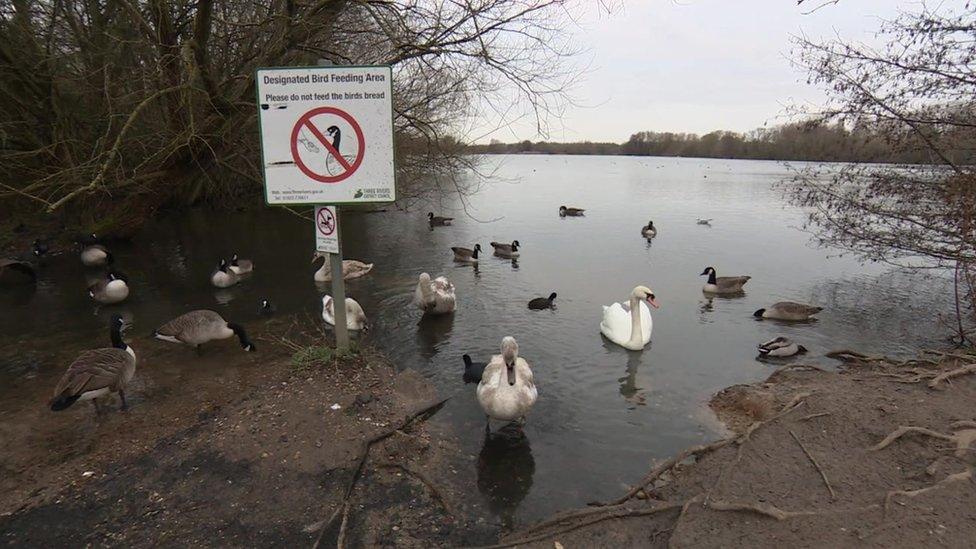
[(426, 291), (635, 321)]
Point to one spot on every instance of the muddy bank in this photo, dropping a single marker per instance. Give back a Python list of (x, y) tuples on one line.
[(877, 454), (266, 461)]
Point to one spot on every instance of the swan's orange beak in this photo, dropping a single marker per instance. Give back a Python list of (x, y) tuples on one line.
[(653, 302)]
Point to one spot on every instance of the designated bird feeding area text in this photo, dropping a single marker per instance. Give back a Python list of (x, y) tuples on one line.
[(327, 134)]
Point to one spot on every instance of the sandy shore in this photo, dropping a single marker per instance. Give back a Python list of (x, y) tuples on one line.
[(878, 454)]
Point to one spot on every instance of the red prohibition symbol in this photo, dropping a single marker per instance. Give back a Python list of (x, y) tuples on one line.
[(306, 122), (325, 221)]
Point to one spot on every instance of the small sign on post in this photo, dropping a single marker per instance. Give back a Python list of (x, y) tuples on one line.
[(327, 138), (326, 229)]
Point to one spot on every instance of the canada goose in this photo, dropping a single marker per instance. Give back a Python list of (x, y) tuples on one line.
[(630, 325), (649, 230), (571, 212), (39, 248), (241, 266), (223, 277), (351, 268), (15, 272), (267, 308), (507, 388), (465, 255), (780, 347), (114, 288), (94, 254), (198, 327), (723, 284), (435, 220), (506, 250), (436, 296), (355, 316), (788, 310), (704, 221), (97, 372), (542, 302), (472, 370)]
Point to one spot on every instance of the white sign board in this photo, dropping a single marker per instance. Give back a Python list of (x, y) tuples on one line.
[(326, 230), (327, 134)]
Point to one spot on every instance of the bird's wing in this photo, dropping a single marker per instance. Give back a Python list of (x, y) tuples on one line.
[(189, 321), (794, 308), (731, 281), (616, 320), (443, 284), (92, 370), (490, 376)]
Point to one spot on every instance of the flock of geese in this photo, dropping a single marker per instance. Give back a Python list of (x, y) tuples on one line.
[(506, 387), (98, 372)]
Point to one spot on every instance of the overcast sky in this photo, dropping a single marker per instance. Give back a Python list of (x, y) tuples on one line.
[(697, 65)]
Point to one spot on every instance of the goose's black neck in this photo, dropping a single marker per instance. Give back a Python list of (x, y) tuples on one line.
[(336, 137), (474, 254), (241, 335), (711, 276), (117, 337)]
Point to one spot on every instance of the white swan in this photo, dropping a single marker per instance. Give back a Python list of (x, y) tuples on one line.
[(630, 325), (507, 389), (435, 297), (355, 316)]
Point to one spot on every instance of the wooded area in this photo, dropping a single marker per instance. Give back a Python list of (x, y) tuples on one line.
[(916, 92), (122, 107), (812, 141)]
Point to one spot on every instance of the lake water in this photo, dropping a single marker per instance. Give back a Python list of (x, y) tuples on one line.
[(604, 414)]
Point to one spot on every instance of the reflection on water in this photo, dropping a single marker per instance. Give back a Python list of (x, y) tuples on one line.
[(505, 471), (628, 384), (431, 331), (598, 404)]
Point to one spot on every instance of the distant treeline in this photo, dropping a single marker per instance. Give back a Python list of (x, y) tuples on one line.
[(799, 141)]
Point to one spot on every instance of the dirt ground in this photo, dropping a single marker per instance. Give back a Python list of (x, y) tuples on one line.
[(268, 462), (339, 453), (877, 454)]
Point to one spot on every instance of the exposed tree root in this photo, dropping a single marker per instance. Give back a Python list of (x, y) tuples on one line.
[(603, 515), (696, 451), (814, 416), (434, 490), (341, 540), (904, 430), (664, 467), (951, 479), (323, 526), (775, 512), (677, 521), (946, 376), (847, 355), (815, 464)]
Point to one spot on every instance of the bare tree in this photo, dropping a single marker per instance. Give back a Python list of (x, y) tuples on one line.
[(120, 107), (917, 91)]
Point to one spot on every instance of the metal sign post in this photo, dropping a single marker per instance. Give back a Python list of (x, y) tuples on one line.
[(327, 240), (339, 292)]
